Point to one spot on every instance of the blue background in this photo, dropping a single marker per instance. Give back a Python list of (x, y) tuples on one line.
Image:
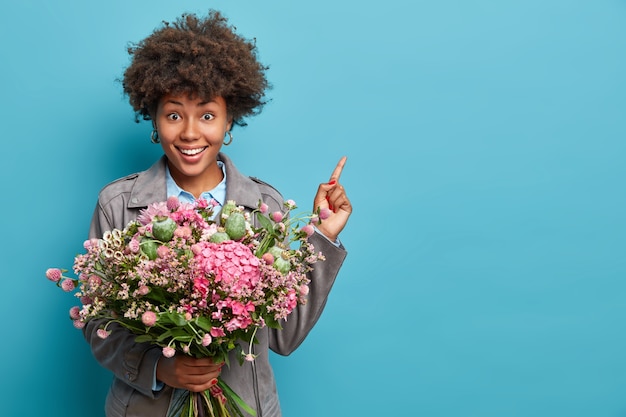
[(486, 145)]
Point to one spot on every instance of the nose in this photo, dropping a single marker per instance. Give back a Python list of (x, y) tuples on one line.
[(190, 130)]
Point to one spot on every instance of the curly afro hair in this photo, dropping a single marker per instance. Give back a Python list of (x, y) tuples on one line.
[(201, 57)]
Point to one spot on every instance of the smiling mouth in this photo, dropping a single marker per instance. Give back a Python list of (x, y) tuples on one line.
[(191, 152)]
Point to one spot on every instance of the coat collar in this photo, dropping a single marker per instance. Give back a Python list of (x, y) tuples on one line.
[(150, 185)]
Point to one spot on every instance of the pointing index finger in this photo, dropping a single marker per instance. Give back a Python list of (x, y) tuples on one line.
[(337, 172)]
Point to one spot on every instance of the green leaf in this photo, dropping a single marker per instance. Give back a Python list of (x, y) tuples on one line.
[(204, 323), (144, 338), (264, 222)]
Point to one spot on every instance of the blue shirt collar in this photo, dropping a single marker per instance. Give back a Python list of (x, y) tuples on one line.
[(218, 193)]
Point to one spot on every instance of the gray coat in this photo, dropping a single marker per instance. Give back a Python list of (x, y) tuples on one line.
[(133, 364)]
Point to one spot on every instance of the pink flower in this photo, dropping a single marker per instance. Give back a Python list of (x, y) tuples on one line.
[(201, 203), (186, 349), (217, 332), (155, 209), (163, 251), (75, 313), (308, 229), (79, 324), (249, 357), (54, 274), (290, 204), (172, 203), (304, 290), (67, 285), (183, 232), (149, 318), (315, 220), (264, 208), (134, 245), (268, 258), (324, 213), (103, 334), (168, 351), (206, 339), (277, 216), (143, 290)]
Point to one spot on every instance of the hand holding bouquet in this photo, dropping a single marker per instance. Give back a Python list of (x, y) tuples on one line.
[(178, 279)]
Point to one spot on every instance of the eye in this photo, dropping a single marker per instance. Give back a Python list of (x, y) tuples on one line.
[(173, 116), (208, 116)]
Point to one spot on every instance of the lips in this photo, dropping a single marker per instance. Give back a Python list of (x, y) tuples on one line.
[(191, 152)]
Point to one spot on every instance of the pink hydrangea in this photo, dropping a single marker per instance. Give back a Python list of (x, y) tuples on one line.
[(54, 274), (217, 332), (232, 263)]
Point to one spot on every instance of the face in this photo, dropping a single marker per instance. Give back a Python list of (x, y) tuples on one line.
[(192, 132)]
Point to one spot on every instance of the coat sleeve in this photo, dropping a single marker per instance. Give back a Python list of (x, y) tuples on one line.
[(300, 322), (131, 362)]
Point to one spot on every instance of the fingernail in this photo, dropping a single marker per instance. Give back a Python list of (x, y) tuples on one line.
[(332, 182), (213, 381)]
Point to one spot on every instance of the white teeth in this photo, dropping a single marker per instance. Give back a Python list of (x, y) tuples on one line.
[(192, 151)]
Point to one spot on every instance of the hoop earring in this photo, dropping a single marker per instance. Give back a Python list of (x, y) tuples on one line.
[(154, 137), (230, 138)]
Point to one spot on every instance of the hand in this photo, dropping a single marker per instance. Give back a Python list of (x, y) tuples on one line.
[(332, 196), (192, 374)]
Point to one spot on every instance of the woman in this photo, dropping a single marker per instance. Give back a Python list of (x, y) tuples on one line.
[(195, 79)]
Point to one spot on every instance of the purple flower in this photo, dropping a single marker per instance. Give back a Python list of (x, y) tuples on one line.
[(54, 274)]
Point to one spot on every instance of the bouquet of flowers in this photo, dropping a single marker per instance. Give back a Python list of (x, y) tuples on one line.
[(180, 279)]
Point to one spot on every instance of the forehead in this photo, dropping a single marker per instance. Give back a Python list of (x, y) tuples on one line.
[(186, 100)]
